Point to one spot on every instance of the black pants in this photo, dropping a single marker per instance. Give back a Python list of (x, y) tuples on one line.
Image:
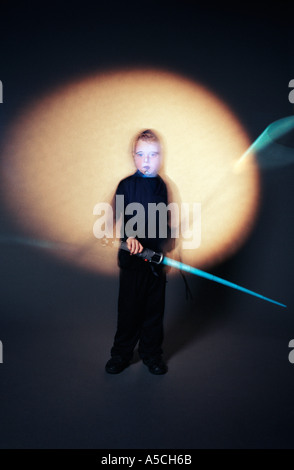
[(140, 311)]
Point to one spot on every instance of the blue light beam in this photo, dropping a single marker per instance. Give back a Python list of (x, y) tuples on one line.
[(275, 146), (190, 269)]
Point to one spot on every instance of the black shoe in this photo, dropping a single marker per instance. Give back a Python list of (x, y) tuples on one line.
[(116, 364), (156, 365)]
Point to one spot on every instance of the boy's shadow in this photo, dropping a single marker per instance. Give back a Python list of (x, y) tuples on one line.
[(188, 320), (192, 319)]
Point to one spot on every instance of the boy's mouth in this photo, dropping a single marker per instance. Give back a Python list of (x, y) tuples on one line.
[(146, 169)]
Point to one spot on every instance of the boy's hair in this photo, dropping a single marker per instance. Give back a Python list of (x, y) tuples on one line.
[(147, 136)]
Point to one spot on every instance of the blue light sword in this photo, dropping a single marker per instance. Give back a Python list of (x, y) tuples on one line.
[(158, 258), (148, 256), (198, 272)]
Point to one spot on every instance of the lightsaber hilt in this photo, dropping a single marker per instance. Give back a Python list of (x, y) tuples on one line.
[(147, 254)]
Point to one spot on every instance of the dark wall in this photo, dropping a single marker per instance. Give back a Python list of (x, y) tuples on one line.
[(57, 322)]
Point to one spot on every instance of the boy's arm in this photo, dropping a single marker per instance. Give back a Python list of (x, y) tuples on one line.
[(133, 244)]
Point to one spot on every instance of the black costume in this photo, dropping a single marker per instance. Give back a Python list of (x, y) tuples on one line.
[(142, 284)]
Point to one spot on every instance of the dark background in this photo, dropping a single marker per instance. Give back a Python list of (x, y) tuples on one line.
[(230, 384)]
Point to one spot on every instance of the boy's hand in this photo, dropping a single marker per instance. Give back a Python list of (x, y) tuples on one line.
[(134, 246)]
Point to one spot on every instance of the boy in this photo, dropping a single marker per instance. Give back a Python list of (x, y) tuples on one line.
[(141, 285)]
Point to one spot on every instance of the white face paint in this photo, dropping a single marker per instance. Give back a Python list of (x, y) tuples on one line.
[(147, 157)]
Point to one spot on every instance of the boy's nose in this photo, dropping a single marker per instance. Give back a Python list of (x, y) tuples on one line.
[(146, 158)]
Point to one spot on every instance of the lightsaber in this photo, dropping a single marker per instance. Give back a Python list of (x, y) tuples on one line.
[(146, 255), (158, 258), (198, 272)]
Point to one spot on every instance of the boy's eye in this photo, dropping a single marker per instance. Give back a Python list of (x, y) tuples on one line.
[(151, 155)]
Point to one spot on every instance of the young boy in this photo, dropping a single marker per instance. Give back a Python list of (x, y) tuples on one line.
[(141, 284)]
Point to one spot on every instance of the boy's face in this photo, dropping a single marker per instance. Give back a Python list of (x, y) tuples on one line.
[(147, 157)]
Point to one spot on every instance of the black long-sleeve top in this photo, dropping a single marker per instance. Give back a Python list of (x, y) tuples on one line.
[(140, 189)]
